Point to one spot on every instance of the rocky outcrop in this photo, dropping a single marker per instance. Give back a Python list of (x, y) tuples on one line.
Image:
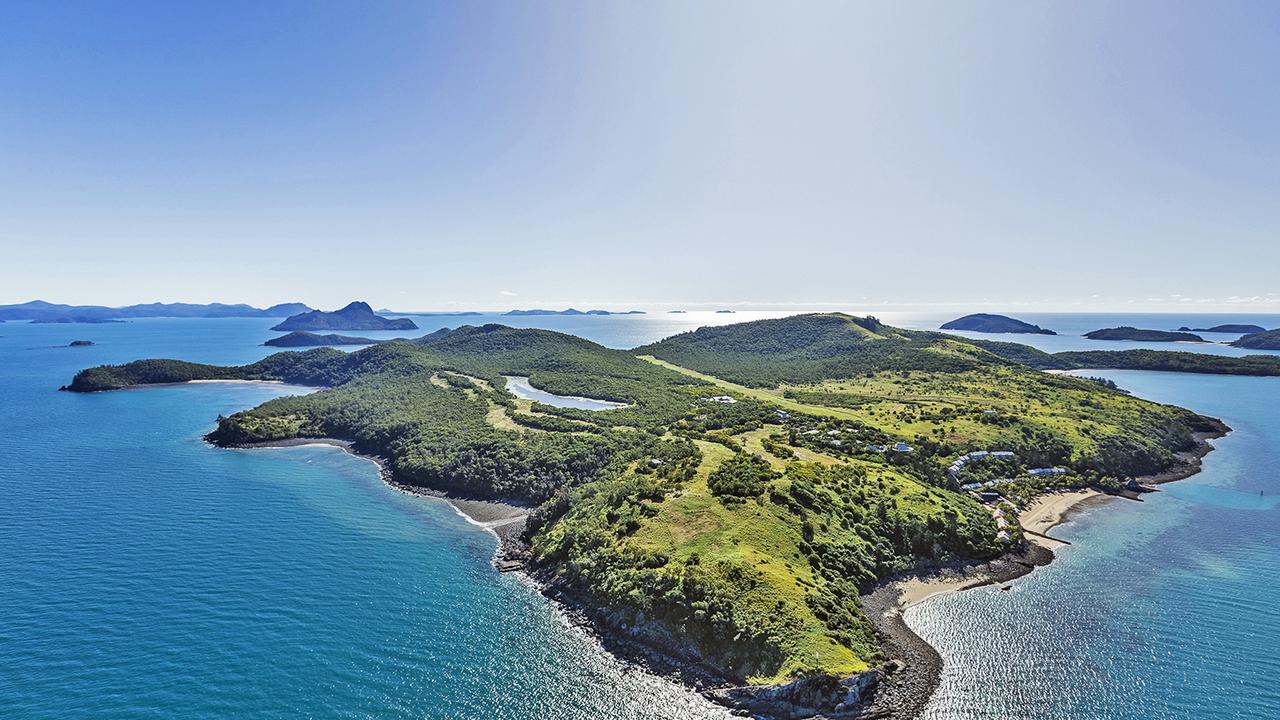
[(806, 697)]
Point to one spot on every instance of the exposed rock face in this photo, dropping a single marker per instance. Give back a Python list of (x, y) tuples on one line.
[(805, 697)]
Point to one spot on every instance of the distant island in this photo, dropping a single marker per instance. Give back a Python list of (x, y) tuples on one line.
[(1132, 333), (300, 338), (1242, 329), (987, 323), (41, 311), (570, 311), (677, 312), (727, 312), (355, 316), (66, 319), (80, 343), (1265, 340)]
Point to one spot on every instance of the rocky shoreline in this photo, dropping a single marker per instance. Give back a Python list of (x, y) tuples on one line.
[(899, 689)]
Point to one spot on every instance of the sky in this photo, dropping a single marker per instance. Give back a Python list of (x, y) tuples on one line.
[(489, 155)]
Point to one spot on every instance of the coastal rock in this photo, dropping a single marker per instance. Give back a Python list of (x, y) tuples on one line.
[(806, 697)]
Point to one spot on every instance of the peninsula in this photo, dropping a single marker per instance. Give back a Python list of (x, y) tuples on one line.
[(355, 316), (985, 323), (755, 478), (1132, 333)]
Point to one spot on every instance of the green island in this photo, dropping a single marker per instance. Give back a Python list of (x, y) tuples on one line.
[(1265, 340), (301, 338), (761, 477), (989, 323), (1141, 335)]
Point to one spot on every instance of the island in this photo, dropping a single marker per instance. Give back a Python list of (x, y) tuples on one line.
[(41, 311), (1132, 333), (987, 323), (80, 343), (355, 316), (569, 311), (1265, 340), (301, 338), (1240, 329), (76, 319), (726, 312), (738, 495)]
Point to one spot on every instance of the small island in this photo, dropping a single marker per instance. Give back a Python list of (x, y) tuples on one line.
[(1265, 340), (569, 311), (74, 319), (300, 338), (1241, 329), (80, 343), (988, 323), (355, 316), (1140, 335)]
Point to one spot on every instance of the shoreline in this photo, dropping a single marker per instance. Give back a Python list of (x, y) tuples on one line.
[(913, 669), (907, 692), (505, 520)]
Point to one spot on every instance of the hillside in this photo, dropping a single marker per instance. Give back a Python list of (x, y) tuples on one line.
[(1140, 335), (355, 316), (1266, 340), (728, 523), (986, 323)]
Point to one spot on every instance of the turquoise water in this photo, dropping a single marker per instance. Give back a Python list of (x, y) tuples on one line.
[(1168, 609), (144, 574)]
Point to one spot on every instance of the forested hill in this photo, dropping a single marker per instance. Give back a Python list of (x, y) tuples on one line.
[(809, 348), (817, 347), (355, 316)]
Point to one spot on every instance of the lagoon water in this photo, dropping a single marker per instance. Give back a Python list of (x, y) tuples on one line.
[(144, 574)]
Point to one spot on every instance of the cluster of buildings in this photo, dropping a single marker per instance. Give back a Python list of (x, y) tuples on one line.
[(963, 461), (722, 399)]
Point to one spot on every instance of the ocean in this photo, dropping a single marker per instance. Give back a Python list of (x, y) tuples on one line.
[(144, 574)]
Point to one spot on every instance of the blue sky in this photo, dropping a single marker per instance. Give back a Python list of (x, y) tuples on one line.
[(1104, 156)]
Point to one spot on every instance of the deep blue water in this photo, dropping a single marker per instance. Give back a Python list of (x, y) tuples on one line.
[(144, 574)]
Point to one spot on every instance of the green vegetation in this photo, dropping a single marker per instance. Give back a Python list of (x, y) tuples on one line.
[(306, 339), (1132, 333), (1265, 365), (355, 316), (987, 323), (739, 533), (1266, 340)]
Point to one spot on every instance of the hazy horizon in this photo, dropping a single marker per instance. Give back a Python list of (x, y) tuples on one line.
[(1085, 156)]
